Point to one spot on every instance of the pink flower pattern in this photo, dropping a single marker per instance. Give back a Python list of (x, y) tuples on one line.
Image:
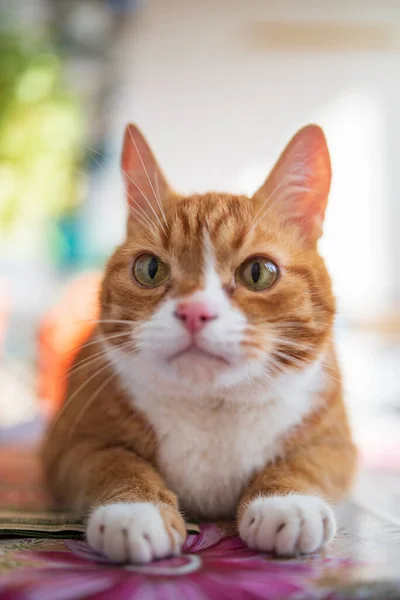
[(212, 567)]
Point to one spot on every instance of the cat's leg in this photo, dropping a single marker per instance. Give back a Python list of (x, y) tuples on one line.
[(286, 509), (133, 517)]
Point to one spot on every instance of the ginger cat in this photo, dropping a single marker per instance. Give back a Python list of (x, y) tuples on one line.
[(210, 387)]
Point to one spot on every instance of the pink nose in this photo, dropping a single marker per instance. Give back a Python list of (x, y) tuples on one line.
[(195, 315)]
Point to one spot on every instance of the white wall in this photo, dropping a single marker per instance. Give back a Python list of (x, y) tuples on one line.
[(218, 107)]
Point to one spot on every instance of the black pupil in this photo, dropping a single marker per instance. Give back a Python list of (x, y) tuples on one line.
[(153, 268), (255, 271)]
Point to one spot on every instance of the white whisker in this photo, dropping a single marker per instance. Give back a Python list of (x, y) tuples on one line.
[(75, 393), (142, 216), (291, 343), (117, 321), (292, 359), (159, 197), (92, 342), (303, 325), (88, 360), (89, 402), (146, 220), (148, 178), (331, 376), (147, 200), (136, 185)]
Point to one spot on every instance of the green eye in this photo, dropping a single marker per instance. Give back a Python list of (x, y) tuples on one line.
[(150, 271), (257, 273)]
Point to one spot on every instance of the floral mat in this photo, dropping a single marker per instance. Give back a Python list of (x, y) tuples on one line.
[(43, 556)]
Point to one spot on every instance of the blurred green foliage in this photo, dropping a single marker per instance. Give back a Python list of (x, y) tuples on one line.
[(41, 134)]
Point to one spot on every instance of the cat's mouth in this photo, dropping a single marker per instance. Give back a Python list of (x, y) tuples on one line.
[(194, 352)]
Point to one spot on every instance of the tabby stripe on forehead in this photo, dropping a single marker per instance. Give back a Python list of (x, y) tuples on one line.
[(200, 226), (181, 224), (223, 219), (239, 238), (233, 220), (185, 223)]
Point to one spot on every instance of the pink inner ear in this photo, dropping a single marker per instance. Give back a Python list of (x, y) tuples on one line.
[(145, 184), (298, 186)]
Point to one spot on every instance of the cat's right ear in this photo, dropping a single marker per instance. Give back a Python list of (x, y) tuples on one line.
[(145, 183)]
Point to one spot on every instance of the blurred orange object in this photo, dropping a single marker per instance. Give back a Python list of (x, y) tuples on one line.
[(64, 329)]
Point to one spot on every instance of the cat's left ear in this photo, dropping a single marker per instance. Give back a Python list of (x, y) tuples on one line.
[(145, 183), (298, 186)]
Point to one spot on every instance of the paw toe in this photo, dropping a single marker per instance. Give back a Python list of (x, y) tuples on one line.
[(134, 532), (287, 525)]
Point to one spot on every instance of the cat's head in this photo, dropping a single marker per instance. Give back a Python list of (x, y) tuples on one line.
[(215, 289)]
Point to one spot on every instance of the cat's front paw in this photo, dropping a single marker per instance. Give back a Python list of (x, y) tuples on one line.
[(287, 525), (136, 532)]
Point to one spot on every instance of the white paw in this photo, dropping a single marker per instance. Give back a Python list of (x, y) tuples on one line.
[(132, 532), (287, 525)]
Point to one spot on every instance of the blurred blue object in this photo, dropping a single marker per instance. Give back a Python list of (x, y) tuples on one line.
[(27, 433), (125, 5), (71, 249)]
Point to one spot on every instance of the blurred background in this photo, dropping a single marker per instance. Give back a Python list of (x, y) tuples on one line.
[(218, 87)]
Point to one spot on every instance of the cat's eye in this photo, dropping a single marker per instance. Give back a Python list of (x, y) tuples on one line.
[(150, 271), (257, 273)]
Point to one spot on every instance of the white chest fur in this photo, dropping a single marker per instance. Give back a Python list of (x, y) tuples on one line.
[(209, 449)]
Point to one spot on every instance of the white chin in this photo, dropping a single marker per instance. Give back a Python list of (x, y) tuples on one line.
[(194, 366)]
